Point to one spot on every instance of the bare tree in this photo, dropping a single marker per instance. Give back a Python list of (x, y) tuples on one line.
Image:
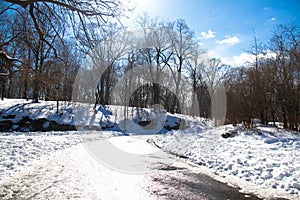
[(285, 43), (45, 24), (78, 13), (195, 74), (182, 44), (156, 51), (269, 88), (258, 88)]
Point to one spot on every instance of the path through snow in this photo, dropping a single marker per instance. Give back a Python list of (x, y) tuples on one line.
[(73, 173)]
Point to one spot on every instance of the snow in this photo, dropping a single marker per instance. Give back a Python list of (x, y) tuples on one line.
[(85, 116), (72, 173), (265, 161), (44, 109), (18, 151), (136, 146)]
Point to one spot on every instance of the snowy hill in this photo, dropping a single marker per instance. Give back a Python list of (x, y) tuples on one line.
[(23, 116)]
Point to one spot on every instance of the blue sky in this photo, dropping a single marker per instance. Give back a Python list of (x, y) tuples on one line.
[(225, 28)]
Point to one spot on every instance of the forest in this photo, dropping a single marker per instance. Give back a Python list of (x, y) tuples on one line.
[(71, 50)]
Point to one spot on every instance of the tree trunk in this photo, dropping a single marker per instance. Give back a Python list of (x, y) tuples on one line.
[(57, 106), (284, 118), (107, 88), (156, 93), (36, 89)]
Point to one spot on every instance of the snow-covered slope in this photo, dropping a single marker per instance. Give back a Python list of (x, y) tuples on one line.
[(25, 116), (265, 161), (22, 115)]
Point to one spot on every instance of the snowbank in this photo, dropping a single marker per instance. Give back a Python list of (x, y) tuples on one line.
[(26, 116), (265, 161)]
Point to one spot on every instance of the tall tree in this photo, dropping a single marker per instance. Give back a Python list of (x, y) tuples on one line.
[(156, 51), (182, 44), (195, 73)]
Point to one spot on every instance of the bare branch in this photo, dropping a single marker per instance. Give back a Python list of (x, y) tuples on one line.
[(84, 7), (5, 9), (4, 55)]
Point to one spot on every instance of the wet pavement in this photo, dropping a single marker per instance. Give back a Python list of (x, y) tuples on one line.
[(184, 184)]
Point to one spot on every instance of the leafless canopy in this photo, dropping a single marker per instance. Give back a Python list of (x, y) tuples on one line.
[(77, 13)]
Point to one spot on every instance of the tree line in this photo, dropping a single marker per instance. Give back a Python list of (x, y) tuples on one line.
[(71, 50), (269, 87), (160, 63)]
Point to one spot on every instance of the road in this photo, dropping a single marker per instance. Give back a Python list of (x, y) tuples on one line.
[(119, 168)]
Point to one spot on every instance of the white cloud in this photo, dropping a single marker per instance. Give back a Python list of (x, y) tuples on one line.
[(229, 40), (243, 59), (208, 35), (240, 60), (246, 58)]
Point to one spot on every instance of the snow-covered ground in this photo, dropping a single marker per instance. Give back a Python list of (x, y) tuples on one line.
[(70, 173), (74, 173), (265, 161), (18, 151)]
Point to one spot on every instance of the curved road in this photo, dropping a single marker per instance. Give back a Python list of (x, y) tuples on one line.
[(76, 173)]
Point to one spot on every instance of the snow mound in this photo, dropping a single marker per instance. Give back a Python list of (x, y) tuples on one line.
[(25, 116)]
